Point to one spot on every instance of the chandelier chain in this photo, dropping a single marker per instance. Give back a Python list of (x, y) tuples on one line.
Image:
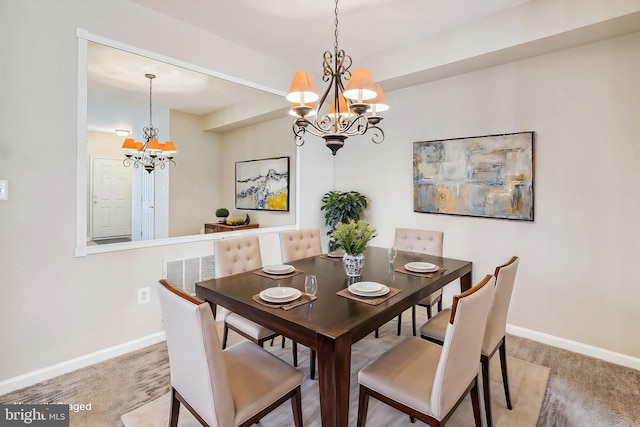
[(335, 33)]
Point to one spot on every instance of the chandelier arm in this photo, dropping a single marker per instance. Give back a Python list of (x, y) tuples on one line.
[(377, 135)]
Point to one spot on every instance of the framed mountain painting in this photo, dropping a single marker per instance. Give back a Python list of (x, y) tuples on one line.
[(263, 184)]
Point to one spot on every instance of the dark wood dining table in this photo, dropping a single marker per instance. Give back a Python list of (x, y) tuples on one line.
[(332, 323)]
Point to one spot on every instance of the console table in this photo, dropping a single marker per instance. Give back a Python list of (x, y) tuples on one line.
[(218, 227)]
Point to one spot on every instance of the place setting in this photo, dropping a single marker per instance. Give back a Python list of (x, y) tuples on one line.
[(421, 269), (278, 271), (372, 293), (286, 297), (334, 255)]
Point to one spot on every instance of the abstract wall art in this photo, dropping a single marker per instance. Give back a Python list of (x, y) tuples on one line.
[(484, 176), (263, 184)]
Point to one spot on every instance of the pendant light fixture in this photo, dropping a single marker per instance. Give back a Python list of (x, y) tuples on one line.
[(151, 154), (353, 109)]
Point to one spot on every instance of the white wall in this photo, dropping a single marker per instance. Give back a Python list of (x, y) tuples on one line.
[(576, 278)]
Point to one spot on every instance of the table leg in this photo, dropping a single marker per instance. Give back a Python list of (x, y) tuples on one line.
[(465, 282), (334, 369)]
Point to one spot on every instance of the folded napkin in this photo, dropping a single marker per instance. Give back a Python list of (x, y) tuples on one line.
[(369, 300), (414, 273), (286, 306), (262, 273)]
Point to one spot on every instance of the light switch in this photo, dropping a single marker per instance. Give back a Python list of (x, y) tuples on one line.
[(4, 189)]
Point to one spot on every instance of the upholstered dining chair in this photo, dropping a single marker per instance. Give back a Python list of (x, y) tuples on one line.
[(428, 381), (425, 242), (234, 256), (299, 244), (494, 334), (233, 387)]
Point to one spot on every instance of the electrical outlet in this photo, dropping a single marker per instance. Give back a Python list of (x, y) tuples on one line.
[(144, 295)]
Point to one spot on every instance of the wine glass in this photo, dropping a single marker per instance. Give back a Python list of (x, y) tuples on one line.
[(311, 284), (392, 253)]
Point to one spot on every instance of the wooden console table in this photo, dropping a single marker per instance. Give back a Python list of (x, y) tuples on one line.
[(218, 227)]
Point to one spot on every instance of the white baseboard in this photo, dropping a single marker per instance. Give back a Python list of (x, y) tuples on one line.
[(31, 378), (576, 347)]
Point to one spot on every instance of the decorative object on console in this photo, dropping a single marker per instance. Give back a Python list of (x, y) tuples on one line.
[(353, 238), (151, 154), (487, 176), (222, 214), (263, 184), (346, 115)]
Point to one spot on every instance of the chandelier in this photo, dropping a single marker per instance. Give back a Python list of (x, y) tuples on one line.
[(151, 154), (347, 114)]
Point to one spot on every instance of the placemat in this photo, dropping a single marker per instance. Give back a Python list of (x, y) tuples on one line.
[(332, 258), (304, 299), (369, 300), (413, 273), (294, 273)]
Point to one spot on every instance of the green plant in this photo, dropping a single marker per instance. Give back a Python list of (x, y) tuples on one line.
[(222, 212), (341, 206), (354, 236)]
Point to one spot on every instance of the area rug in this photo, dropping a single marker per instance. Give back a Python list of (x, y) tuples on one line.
[(527, 383)]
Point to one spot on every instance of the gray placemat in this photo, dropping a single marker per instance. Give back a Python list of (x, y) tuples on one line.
[(369, 300)]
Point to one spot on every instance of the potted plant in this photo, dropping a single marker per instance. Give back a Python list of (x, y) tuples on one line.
[(222, 214), (353, 237), (341, 206)]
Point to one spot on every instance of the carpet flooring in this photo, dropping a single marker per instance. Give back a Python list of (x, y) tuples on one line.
[(581, 390)]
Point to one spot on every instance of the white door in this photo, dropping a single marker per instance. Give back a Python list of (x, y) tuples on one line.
[(111, 199)]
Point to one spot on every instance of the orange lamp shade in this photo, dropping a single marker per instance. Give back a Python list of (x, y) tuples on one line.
[(360, 86), (129, 144), (302, 89), (139, 146), (379, 103), (168, 147), (342, 104), (154, 145), (303, 110)]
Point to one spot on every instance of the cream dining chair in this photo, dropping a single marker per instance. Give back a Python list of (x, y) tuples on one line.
[(234, 256), (425, 242), (299, 244), (428, 381), (494, 334), (224, 388)]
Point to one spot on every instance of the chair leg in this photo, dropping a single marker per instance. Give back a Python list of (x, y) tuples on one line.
[(295, 353), (428, 312), (282, 341), (376, 333), (503, 364), (413, 320), (175, 409), (312, 365), (225, 334), (484, 361), (399, 324), (272, 340), (475, 402), (363, 403), (440, 305), (296, 406)]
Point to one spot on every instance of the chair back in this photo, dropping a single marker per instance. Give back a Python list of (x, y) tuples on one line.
[(423, 241), (497, 321), (300, 244), (196, 363), (458, 364), (234, 256)]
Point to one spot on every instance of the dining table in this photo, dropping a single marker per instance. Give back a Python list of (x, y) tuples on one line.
[(333, 322)]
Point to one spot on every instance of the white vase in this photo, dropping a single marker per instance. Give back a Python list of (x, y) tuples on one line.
[(353, 264)]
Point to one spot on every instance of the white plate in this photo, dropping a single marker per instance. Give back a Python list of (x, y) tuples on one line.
[(367, 287), (336, 254), (381, 292), (421, 267), (278, 269), (280, 294)]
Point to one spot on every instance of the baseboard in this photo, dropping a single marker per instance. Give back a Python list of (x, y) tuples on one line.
[(576, 347), (31, 378)]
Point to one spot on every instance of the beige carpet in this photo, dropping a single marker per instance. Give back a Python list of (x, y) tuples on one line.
[(527, 383)]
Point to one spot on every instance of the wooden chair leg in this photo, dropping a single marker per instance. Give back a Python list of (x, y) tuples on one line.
[(294, 345), (312, 365), (503, 364), (283, 341), (376, 333), (399, 324), (175, 409), (475, 402), (225, 334), (428, 312), (363, 403), (296, 406), (486, 386), (413, 320)]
